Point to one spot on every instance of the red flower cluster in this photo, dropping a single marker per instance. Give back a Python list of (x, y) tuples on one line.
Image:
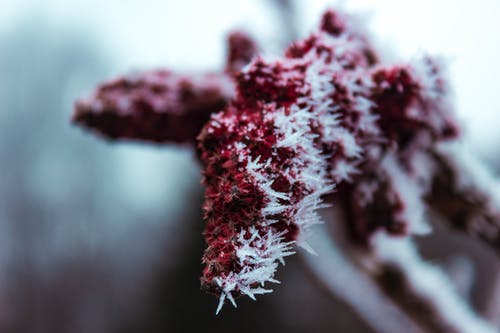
[(324, 115), (327, 117)]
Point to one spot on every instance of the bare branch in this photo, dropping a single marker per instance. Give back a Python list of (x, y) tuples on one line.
[(466, 194)]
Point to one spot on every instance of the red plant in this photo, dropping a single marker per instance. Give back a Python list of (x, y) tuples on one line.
[(328, 120)]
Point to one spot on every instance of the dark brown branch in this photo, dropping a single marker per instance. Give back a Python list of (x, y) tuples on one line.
[(394, 283), (463, 193), (419, 290)]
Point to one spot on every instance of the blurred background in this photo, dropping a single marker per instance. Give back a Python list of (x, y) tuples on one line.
[(106, 237)]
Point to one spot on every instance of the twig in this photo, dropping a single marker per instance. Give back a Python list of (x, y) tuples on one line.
[(466, 194), (343, 280), (423, 290), (420, 290)]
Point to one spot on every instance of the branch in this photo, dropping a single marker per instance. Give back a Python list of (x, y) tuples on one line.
[(466, 194), (421, 291), (345, 280)]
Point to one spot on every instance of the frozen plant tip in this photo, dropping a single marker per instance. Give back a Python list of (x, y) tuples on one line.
[(325, 115), (327, 119)]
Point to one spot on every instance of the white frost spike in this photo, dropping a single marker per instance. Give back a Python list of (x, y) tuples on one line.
[(257, 255), (348, 142), (222, 298), (231, 299), (410, 193), (248, 293), (306, 246), (273, 208), (343, 171)]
